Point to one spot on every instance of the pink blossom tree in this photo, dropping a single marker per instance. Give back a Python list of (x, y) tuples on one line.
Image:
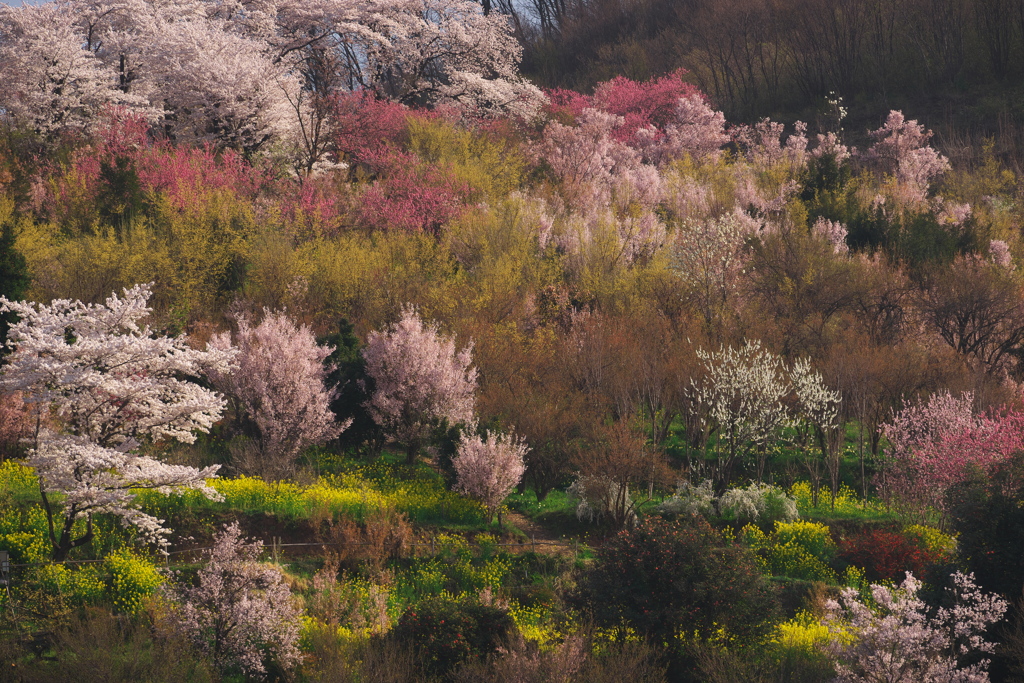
[(419, 380), (901, 149), (896, 640), (488, 468), (241, 612), (936, 444), (279, 386), (108, 385)]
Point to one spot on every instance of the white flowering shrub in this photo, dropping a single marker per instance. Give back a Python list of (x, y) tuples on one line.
[(761, 503), (691, 500)]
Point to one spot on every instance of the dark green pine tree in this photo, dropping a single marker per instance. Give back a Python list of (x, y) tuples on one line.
[(14, 279)]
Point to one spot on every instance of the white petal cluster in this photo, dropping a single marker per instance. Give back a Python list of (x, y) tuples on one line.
[(107, 383)]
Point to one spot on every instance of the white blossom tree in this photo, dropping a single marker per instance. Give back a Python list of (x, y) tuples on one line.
[(898, 641), (102, 385), (241, 611), (489, 468), (279, 384), (253, 75), (419, 379), (817, 409), (742, 396)]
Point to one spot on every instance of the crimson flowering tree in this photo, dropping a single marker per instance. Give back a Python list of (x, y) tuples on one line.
[(897, 640), (488, 468), (936, 444), (279, 384), (419, 380), (107, 385), (241, 612)]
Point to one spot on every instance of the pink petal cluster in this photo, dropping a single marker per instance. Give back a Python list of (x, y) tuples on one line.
[(489, 468)]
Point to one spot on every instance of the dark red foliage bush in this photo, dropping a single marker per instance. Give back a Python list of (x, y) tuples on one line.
[(885, 554)]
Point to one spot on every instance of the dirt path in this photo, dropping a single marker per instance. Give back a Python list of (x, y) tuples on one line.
[(541, 538)]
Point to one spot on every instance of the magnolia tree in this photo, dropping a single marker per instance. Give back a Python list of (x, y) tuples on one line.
[(102, 385), (897, 640), (241, 612), (488, 468), (279, 386), (419, 378)]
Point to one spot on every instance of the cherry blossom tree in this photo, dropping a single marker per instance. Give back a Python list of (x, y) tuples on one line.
[(708, 256), (50, 81), (106, 385), (279, 385), (488, 468), (419, 379), (897, 640), (901, 149), (241, 612)]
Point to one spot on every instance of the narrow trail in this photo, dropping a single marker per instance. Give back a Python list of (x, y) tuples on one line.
[(545, 541)]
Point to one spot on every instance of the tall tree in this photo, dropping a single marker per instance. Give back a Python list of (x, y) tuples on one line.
[(105, 386)]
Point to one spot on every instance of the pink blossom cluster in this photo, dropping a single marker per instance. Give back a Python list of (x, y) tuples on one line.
[(901, 149), (895, 638), (488, 468), (279, 383), (935, 444), (241, 611)]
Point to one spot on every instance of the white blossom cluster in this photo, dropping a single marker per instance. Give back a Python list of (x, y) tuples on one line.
[(245, 74), (102, 384)]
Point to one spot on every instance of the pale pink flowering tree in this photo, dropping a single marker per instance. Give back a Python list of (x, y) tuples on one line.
[(241, 611), (999, 253), (696, 130), (108, 384), (897, 640), (901, 150), (279, 386), (763, 147), (419, 379), (833, 231), (488, 468), (708, 256)]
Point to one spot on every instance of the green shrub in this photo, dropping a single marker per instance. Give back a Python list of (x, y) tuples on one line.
[(448, 631)]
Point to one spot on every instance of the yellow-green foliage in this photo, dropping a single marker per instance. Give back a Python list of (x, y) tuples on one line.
[(847, 502), (79, 586), (802, 632), (799, 550), (370, 278), (932, 540), (132, 579), (491, 167), (455, 571), (350, 495)]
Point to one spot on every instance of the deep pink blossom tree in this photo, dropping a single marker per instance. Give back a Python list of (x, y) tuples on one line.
[(279, 385), (489, 468), (897, 640), (241, 612), (419, 380), (935, 444)]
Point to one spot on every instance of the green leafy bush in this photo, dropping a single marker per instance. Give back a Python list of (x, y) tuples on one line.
[(448, 631)]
